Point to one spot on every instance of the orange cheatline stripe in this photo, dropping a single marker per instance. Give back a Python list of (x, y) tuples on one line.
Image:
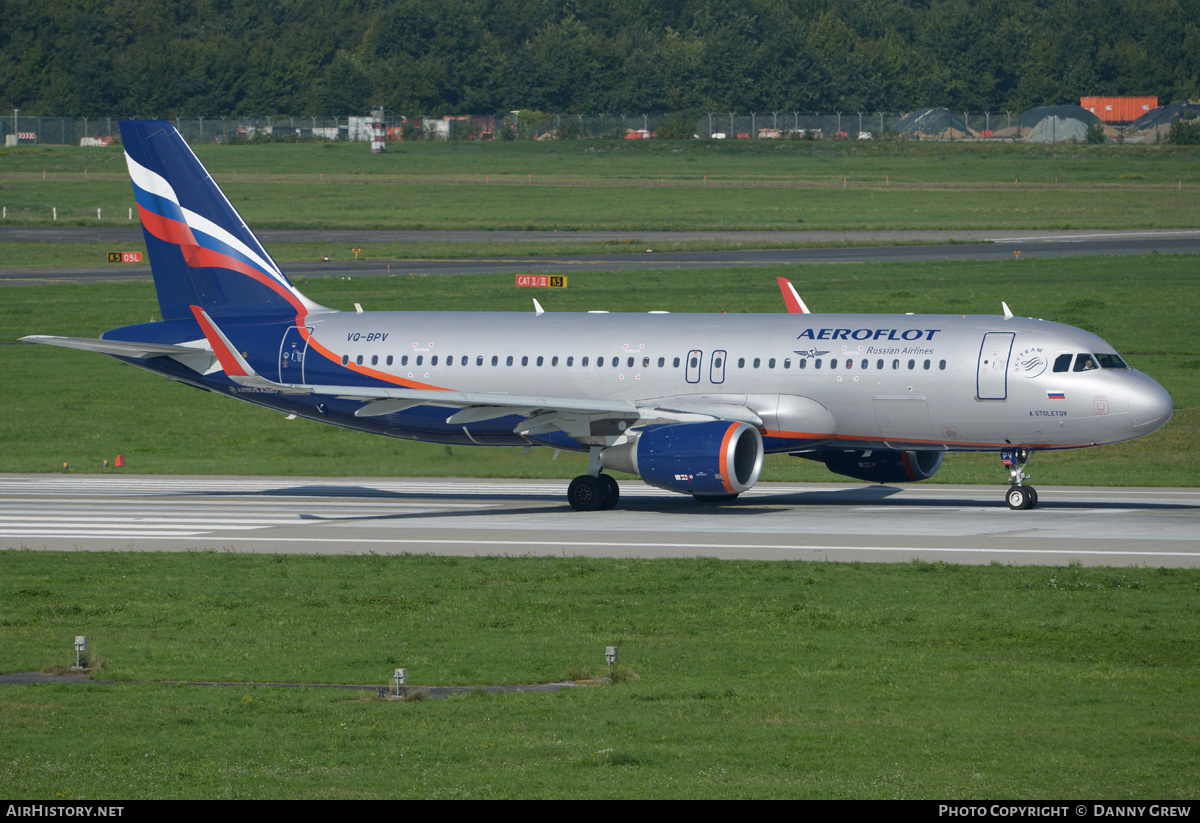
[(366, 370), (786, 435)]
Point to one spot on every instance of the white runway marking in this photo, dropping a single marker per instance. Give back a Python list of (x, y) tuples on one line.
[(774, 521)]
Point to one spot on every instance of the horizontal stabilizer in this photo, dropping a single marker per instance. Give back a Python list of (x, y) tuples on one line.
[(120, 348)]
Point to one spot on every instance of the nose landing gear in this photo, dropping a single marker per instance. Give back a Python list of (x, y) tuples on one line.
[(1019, 496)]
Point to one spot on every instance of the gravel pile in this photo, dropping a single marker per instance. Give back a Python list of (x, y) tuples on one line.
[(939, 123)]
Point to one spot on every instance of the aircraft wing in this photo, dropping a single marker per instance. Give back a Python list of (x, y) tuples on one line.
[(577, 416), (791, 298)]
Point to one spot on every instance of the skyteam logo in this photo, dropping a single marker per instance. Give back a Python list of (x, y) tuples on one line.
[(1031, 362)]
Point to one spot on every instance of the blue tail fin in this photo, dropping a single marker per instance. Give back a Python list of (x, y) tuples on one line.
[(201, 251)]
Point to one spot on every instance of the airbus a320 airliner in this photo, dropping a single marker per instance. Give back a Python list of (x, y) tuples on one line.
[(689, 402)]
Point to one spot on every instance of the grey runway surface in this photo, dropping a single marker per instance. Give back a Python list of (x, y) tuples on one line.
[(989, 245), (774, 521)]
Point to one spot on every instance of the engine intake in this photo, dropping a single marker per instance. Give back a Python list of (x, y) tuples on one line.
[(706, 459)]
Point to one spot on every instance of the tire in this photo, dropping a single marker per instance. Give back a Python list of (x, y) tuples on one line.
[(1018, 498), (1033, 497), (585, 494), (612, 492)]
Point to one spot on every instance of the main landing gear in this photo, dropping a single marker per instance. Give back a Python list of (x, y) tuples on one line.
[(588, 494), (593, 491), (1018, 496)]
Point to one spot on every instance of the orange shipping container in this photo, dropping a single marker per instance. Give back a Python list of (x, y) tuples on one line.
[(1118, 109)]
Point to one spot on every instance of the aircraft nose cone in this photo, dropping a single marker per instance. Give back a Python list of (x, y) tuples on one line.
[(1150, 406)]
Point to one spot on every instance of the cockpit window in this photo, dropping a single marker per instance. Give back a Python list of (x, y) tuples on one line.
[(1084, 362), (1111, 361), (1062, 363)]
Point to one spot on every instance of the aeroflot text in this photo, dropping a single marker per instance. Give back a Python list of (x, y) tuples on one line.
[(1063, 811), (867, 334)]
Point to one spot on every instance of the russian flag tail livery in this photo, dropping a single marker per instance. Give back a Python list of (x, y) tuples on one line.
[(201, 251)]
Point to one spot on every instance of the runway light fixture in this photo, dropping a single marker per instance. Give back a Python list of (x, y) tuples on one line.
[(80, 648), (610, 654), (401, 679)]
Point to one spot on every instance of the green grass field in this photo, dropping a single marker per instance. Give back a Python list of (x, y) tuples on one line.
[(782, 679), (600, 185), (80, 408)]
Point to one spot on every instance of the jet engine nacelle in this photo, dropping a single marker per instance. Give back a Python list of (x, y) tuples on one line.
[(882, 465), (712, 459)]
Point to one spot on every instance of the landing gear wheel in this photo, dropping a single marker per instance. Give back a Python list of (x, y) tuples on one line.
[(586, 493), (1032, 492), (1018, 497), (612, 492)]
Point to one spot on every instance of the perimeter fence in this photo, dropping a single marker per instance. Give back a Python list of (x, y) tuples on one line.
[(934, 124)]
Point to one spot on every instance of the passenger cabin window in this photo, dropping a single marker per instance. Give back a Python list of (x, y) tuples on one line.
[(571, 361), (1084, 362), (676, 362), (495, 360), (374, 360), (509, 360), (583, 362), (358, 360), (345, 359)]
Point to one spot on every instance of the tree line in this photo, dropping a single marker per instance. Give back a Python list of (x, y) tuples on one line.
[(193, 58)]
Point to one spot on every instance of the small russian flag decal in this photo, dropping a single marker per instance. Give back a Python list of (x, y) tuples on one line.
[(1056, 395)]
